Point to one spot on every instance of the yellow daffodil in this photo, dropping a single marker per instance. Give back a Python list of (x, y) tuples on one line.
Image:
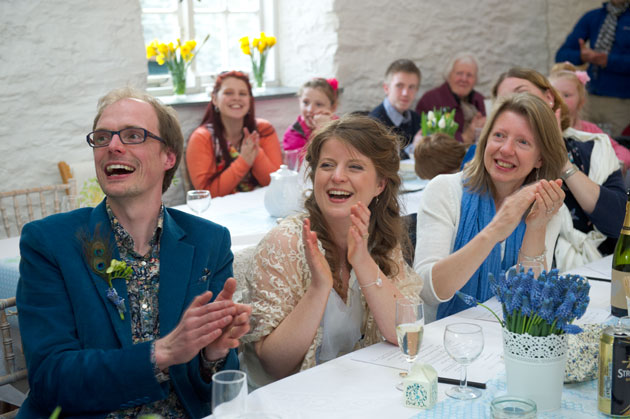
[(150, 52), (262, 44), (166, 53)]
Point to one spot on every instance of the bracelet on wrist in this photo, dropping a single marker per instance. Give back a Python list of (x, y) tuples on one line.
[(537, 258), (569, 172), (378, 282)]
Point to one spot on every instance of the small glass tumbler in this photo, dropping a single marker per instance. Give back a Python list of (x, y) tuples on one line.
[(508, 407), (229, 394)]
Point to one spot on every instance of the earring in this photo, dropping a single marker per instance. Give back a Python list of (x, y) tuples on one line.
[(537, 174), (216, 109)]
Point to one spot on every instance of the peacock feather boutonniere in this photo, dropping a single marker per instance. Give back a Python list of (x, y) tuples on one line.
[(98, 252)]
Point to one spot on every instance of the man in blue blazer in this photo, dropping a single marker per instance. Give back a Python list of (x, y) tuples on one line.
[(148, 343)]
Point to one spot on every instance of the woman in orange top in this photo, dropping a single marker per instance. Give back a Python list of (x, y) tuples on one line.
[(232, 151)]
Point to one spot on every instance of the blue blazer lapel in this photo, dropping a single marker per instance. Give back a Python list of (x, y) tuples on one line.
[(176, 260), (121, 327)]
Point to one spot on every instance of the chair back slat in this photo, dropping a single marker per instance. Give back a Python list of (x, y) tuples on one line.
[(29, 205)]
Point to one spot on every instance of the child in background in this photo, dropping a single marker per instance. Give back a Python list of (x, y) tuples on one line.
[(318, 102), (570, 84), (438, 154)]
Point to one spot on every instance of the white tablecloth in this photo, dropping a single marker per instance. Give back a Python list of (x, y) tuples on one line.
[(244, 213), (347, 388)]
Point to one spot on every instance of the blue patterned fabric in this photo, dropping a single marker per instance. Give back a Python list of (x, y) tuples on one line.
[(477, 211)]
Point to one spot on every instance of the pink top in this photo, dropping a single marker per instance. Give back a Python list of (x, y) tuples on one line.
[(622, 153), (296, 136)]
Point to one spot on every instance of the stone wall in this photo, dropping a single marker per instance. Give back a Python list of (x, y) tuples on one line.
[(60, 56)]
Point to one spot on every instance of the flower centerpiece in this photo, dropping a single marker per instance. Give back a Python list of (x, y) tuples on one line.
[(177, 58), (439, 120), (262, 45), (537, 316)]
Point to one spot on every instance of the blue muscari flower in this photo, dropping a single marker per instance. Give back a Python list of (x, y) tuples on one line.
[(467, 299), (564, 313), (525, 308), (547, 312), (571, 329)]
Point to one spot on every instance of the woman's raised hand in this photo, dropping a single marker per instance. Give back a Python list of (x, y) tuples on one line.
[(549, 199), (510, 214), (358, 234), (321, 276), (249, 146)]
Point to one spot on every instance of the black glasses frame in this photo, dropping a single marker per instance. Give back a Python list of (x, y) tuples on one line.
[(90, 141)]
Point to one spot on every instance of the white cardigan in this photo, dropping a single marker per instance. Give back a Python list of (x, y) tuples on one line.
[(437, 223)]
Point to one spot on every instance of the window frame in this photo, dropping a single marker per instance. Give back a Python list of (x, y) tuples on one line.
[(196, 82)]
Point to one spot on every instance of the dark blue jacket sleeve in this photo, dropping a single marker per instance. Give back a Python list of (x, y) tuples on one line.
[(611, 206)]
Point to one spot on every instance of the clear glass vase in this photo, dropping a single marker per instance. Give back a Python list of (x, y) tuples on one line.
[(179, 82)]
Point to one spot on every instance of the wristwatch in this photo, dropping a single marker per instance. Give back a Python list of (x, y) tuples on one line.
[(569, 172)]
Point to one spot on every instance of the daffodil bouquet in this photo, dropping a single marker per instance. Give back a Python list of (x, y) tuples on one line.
[(541, 306), (262, 45), (442, 120), (177, 58)]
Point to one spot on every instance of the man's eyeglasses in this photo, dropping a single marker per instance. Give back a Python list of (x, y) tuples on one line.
[(102, 137)]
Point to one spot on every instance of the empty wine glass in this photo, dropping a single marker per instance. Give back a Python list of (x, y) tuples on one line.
[(409, 330), (464, 343), (198, 200)]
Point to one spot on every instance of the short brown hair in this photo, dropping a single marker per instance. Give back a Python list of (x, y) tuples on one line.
[(402, 65), (170, 130), (438, 154), (542, 84), (372, 139), (543, 125)]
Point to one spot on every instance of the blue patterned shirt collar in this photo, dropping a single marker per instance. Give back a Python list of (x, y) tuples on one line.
[(124, 239)]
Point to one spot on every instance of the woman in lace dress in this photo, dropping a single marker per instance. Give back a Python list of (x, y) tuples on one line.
[(326, 282)]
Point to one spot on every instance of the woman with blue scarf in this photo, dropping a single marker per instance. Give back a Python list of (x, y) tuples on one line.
[(498, 211)]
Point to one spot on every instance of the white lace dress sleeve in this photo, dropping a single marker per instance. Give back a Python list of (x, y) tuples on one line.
[(279, 279)]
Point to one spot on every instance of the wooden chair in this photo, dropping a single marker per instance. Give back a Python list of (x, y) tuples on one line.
[(12, 371), (30, 204)]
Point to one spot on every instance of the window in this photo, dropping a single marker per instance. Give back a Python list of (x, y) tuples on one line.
[(225, 20)]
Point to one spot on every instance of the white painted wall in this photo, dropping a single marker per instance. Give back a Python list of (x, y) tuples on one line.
[(60, 56)]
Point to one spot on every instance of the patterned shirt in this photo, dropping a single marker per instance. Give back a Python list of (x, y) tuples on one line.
[(142, 291)]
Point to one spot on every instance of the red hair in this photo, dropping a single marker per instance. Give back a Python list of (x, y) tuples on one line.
[(214, 118)]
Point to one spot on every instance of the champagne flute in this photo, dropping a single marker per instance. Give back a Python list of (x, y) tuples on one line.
[(409, 330), (198, 200), (464, 343)]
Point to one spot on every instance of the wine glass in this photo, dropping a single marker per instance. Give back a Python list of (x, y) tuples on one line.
[(198, 200), (409, 330), (464, 343), (229, 394)]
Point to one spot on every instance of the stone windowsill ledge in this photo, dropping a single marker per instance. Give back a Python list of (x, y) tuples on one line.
[(202, 98)]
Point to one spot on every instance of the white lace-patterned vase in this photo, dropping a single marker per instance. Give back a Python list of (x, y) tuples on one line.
[(535, 367)]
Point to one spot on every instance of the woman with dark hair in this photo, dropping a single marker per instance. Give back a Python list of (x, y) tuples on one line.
[(497, 212), (232, 151), (326, 282), (595, 203)]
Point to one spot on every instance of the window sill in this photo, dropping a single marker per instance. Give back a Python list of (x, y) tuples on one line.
[(267, 93)]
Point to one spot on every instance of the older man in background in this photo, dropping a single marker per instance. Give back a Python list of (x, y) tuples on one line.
[(457, 93)]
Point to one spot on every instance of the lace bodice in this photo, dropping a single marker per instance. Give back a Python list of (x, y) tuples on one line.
[(280, 276)]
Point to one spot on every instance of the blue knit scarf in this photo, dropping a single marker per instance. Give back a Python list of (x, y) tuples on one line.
[(476, 212)]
